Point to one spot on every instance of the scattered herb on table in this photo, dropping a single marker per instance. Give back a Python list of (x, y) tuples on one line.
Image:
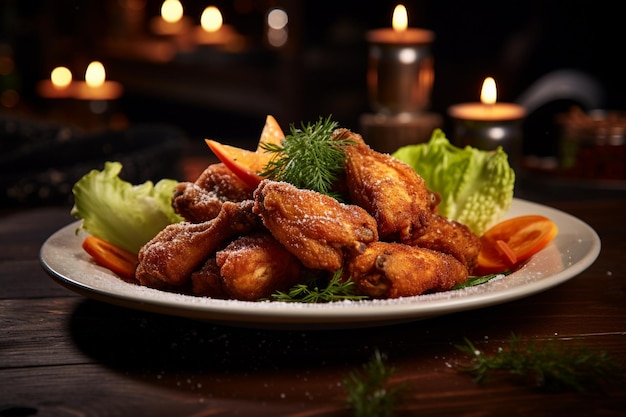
[(369, 391), (317, 292), (547, 366)]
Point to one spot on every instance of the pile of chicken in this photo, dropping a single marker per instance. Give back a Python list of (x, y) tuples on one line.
[(246, 244)]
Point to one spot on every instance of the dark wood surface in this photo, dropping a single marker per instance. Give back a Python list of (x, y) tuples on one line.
[(65, 355)]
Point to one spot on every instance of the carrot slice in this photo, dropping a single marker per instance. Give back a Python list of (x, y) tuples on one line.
[(505, 249), (110, 256), (509, 243)]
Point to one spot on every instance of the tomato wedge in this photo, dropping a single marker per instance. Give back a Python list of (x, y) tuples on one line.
[(112, 257), (271, 133), (247, 164), (238, 161), (509, 243)]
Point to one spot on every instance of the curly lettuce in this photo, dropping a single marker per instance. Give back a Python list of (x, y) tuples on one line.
[(119, 212), (476, 186)]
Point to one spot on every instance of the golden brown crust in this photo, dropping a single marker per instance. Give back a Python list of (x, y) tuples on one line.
[(207, 281), (181, 248), (254, 267), (201, 200), (392, 270), (316, 228), (451, 237), (390, 190)]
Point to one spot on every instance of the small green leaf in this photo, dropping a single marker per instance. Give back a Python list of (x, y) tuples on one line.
[(320, 292)]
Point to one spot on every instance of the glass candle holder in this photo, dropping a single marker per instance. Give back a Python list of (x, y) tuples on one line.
[(400, 70), (487, 127)]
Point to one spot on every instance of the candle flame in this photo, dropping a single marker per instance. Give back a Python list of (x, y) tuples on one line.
[(489, 94), (400, 20), (211, 19), (172, 11), (61, 77), (95, 74)]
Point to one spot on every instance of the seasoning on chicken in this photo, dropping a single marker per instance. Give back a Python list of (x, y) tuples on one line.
[(207, 282), (392, 270), (316, 228), (255, 266), (202, 199), (451, 237), (390, 190), (181, 248)]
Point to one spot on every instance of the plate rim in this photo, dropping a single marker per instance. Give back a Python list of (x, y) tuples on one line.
[(331, 315)]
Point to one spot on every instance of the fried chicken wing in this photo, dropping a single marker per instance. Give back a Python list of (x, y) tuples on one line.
[(207, 281), (387, 188), (451, 237), (181, 248), (255, 266), (201, 200), (392, 270), (316, 228)]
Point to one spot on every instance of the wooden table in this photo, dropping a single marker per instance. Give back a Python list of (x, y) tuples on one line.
[(65, 355)]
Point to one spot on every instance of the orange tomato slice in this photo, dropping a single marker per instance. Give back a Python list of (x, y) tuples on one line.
[(110, 256), (244, 163), (509, 243), (272, 133)]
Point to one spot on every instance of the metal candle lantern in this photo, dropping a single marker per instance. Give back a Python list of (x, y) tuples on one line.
[(400, 72), (488, 125), (400, 77)]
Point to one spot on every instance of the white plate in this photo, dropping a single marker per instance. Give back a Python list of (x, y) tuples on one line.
[(573, 250)]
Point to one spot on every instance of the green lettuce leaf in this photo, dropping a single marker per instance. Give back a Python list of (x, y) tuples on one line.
[(476, 186), (119, 212)]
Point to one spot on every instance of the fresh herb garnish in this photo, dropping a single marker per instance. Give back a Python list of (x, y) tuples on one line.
[(477, 280), (369, 391), (547, 366), (314, 292), (308, 157)]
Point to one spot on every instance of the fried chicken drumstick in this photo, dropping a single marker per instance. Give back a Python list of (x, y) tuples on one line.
[(316, 228), (181, 248), (387, 188), (202, 199), (392, 270), (255, 266)]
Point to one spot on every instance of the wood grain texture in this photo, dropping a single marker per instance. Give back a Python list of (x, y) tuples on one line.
[(65, 355)]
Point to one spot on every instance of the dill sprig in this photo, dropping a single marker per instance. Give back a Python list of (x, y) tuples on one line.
[(369, 391), (548, 366), (479, 279), (308, 157), (313, 292)]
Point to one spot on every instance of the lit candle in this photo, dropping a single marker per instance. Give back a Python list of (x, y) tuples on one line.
[(489, 124), (488, 109), (96, 86), (212, 30), (400, 71), (58, 86), (172, 20)]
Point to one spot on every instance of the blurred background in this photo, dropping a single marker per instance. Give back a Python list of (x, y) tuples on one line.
[(312, 63)]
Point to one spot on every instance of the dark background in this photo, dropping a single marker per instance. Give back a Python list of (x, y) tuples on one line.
[(517, 42), (320, 72)]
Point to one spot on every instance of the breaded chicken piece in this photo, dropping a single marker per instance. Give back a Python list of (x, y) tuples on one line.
[(181, 248), (316, 228), (392, 270), (207, 282), (201, 200), (255, 266), (451, 237), (387, 188)]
